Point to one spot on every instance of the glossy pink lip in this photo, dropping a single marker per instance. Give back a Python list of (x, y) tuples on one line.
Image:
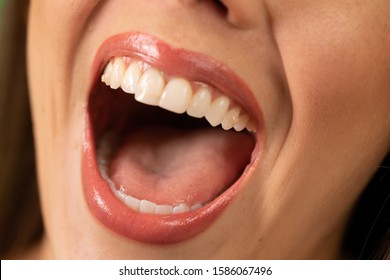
[(113, 213)]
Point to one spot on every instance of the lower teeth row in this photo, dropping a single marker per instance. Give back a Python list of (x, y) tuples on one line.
[(103, 155)]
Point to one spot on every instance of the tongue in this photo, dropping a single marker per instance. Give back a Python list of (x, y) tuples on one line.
[(171, 166)]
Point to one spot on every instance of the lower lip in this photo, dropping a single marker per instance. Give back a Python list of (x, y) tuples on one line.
[(147, 228)]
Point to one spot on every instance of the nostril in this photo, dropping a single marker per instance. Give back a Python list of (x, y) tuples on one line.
[(219, 6)]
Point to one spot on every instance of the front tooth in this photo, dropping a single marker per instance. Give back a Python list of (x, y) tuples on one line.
[(106, 77), (149, 88), (217, 110), (242, 121), (164, 209), (130, 78), (181, 208), (230, 119), (118, 69), (147, 207), (176, 96), (200, 103)]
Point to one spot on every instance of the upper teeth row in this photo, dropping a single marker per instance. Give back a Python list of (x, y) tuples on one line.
[(175, 94)]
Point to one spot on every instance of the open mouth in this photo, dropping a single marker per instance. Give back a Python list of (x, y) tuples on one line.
[(166, 148)]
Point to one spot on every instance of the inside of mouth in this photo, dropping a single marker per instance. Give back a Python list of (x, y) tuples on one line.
[(167, 159)]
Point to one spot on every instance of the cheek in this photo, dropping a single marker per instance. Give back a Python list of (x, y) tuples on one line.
[(337, 68), (54, 32), (52, 43), (55, 29)]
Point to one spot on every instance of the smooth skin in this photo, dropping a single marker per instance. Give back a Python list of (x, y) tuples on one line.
[(320, 71)]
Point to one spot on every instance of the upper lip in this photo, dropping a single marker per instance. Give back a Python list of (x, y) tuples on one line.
[(199, 67)]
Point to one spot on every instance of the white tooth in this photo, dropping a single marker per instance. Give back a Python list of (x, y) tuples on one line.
[(147, 207), (176, 96), (149, 88), (103, 165), (133, 203), (231, 118), (121, 195), (164, 209), (111, 184), (196, 207), (103, 170), (251, 126), (217, 110), (200, 103), (118, 69), (130, 78), (106, 77), (181, 208), (242, 121)]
